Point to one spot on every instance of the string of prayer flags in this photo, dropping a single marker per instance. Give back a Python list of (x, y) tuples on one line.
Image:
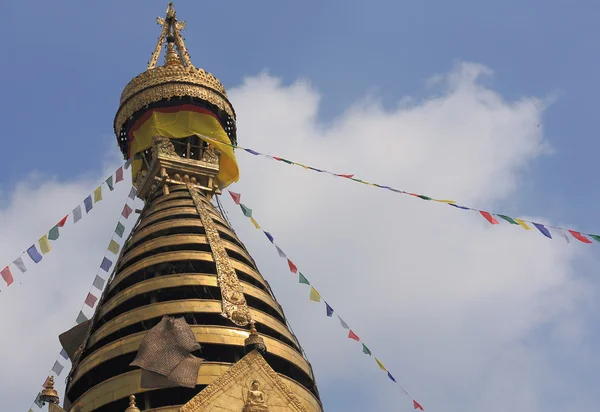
[(487, 215), (315, 296)]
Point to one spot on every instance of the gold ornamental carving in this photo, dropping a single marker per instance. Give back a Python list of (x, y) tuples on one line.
[(255, 399), (234, 303), (163, 146)]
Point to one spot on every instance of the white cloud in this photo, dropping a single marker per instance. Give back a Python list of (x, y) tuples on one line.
[(454, 307)]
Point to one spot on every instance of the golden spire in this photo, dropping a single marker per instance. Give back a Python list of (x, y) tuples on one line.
[(132, 405), (171, 32), (49, 394)]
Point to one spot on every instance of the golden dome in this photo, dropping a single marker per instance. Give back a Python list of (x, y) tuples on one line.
[(176, 78)]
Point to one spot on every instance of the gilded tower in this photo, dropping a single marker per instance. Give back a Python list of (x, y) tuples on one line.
[(186, 322)]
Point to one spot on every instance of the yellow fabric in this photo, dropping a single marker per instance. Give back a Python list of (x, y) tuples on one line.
[(314, 295), (114, 247), (183, 124), (255, 223), (44, 244), (522, 224), (98, 194), (380, 365)]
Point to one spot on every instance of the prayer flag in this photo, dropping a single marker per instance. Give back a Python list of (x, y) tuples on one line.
[(54, 233), (119, 175), (579, 237), (62, 221), (19, 263), (98, 282), (508, 219), (120, 229), (98, 194), (344, 324), (293, 267), (329, 309), (109, 183), (352, 335), (38, 401), (127, 163), (34, 254), (252, 151), (488, 217), (87, 202), (424, 197), (302, 279), (132, 193), (44, 244), (346, 176), (522, 224), (281, 253), (543, 230), (255, 223), (366, 350), (269, 236), (417, 406), (106, 264), (57, 368), (64, 354), (314, 295), (77, 214), (7, 276), (90, 300), (458, 207), (562, 234), (391, 377), (246, 210), (81, 318), (235, 196), (126, 211), (380, 365), (114, 247), (595, 237)]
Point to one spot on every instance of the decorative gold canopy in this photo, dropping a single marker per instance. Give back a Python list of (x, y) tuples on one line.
[(178, 77)]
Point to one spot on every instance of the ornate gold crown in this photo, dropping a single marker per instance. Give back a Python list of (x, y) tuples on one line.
[(176, 78)]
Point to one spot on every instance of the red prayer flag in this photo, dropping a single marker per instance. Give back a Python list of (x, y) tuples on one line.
[(7, 276), (346, 176), (352, 335), (62, 221), (489, 217), (90, 300), (293, 267), (235, 196), (417, 406), (579, 237), (119, 175), (126, 211), (276, 158)]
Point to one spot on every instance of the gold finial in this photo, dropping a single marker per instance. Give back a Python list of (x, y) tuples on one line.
[(49, 394), (171, 31), (132, 406), (254, 341)]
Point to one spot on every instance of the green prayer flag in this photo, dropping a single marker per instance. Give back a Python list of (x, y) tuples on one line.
[(302, 279), (424, 197), (286, 161), (508, 219), (53, 234), (120, 229), (246, 210), (595, 237), (366, 350), (81, 318), (109, 183)]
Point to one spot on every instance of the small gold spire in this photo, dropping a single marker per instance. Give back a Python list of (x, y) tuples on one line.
[(132, 406), (254, 341), (49, 394), (171, 57)]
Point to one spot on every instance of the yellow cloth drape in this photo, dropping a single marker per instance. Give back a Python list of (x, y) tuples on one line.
[(181, 124)]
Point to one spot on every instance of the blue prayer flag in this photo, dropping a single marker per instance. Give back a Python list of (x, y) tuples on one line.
[(88, 204), (106, 264), (329, 309), (34, 254)]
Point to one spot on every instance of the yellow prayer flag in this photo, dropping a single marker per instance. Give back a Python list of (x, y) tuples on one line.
[(380, 365), (98, 194), (314, 295), (255, 223), (445, 201), (300, 164), (522, 224), (44, 244), (114, 247)]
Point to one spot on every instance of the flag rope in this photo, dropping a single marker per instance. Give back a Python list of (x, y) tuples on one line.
[(98, 283), (315, 296), (53, 234), (543, 229)]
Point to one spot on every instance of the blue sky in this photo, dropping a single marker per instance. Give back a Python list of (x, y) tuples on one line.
[(66, 64)]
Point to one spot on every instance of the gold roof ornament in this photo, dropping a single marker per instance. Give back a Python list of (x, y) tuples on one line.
[(177, 78), (49, 394), (132, 406)]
